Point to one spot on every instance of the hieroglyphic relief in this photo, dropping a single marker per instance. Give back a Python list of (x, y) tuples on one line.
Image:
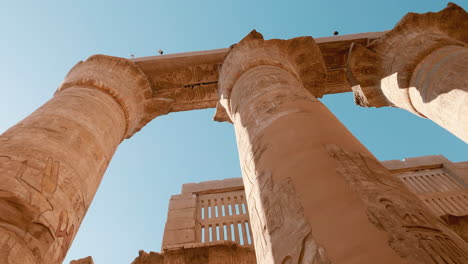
[(37, 182), (187, 76), (66, 231), (190, 93), (276, 214), (191, 87), (42, 178), (415, 233)]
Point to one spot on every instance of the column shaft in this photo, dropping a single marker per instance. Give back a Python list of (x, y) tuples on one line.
[(420, 66), (51, 163), (315, 194), (439, 90), (290, 178)]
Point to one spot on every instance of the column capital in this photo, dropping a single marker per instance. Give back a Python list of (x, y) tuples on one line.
[(125, 82), (300, 56), (388, 62)]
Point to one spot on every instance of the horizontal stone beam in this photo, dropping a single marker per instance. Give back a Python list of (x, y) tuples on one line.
[(190, 80)]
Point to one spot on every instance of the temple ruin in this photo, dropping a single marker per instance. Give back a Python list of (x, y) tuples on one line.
[(313, 192)]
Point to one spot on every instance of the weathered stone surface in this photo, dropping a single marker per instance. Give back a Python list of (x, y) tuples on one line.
[(414, 232), (255, 80), (190, 80), (416, 163), (206, 213), (210, 186), (87, 260), (217, 253), (459, 224), (180, 223), (179, 236), (281, 127), (274, 117), (421, 66), (51, 163), (112, 75)]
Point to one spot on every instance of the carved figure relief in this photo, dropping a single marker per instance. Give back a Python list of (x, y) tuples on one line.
[(416, 234), (276, 213), (66, 231)]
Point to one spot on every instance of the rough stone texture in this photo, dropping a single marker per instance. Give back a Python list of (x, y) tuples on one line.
[(51, 163), (125, 82), (213, 186), (421, 66), (415, 233), (280, 127), (87, 260), (262, 89), (429, 177), (205, 210), (460, 169), (416, 163), (220, 253), (440, 184), (190, 80), (181, 221), (459, 224)]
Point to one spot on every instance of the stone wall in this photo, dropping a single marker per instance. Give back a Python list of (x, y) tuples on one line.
[(214, 253)]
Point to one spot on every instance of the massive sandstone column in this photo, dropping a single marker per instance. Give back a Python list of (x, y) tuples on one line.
[(421, 65), (51, 163), (315, 193)]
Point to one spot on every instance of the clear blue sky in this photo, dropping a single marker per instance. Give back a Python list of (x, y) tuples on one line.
[(42, 40)]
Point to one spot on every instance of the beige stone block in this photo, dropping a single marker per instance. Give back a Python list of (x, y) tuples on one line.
[(182, 204), (182, 196), (212, 185), (87, 260), (179, 224), (180, 236), (187, 213)]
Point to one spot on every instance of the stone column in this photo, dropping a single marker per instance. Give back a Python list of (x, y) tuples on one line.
[(421, 65), (51, 163), (315, 194)]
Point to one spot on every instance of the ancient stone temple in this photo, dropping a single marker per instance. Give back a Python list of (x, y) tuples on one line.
[(313, 192), (209, 221)]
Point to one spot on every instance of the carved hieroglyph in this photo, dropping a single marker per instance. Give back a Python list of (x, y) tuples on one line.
[(276, 213), (421, 66), (190, 80), (51, 163), (414, 232), (296, 193)]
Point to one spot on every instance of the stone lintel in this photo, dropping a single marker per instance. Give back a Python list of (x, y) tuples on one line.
[(213, 186), (190, 79), (458, 170), (416, 163)]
